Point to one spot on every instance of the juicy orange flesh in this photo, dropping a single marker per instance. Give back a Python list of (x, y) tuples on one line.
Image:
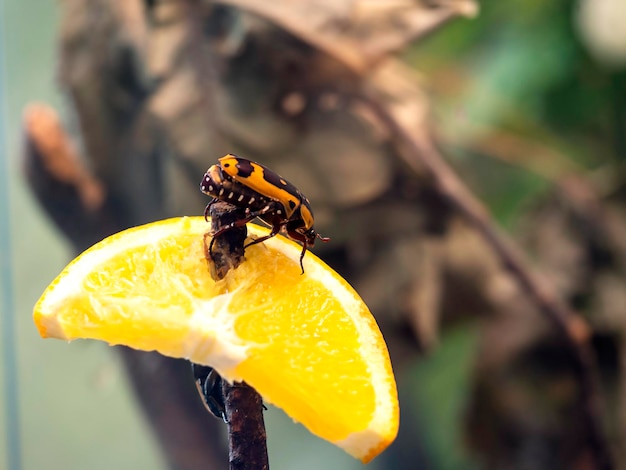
[(292, 327), (102, 309), (299, 343)]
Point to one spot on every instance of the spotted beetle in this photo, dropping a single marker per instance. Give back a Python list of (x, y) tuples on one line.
[(264, 194), (209, 385)]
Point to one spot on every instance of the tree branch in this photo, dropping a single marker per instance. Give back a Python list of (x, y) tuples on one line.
[(420, 153), (243, 406)]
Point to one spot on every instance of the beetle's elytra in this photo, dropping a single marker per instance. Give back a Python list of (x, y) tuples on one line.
[(264, 194)]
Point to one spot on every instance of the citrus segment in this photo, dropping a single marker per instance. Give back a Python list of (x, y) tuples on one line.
[(307, 343)]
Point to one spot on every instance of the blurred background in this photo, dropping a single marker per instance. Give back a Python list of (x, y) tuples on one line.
[(112, 111)]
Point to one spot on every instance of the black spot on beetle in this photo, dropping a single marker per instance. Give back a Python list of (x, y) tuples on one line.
[(244, 168), (292, 205)]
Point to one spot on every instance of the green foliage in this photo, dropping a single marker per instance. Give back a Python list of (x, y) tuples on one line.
[(520, 68), (440, 387)]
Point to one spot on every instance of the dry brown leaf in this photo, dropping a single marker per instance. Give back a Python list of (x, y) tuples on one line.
[(358, 33), (59, 154)]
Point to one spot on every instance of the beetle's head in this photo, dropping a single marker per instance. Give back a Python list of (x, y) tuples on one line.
[(304, 235), (301, 228)]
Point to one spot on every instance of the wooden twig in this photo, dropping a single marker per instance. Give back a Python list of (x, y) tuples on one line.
[(243, 406), (421, 154), (247, 449)]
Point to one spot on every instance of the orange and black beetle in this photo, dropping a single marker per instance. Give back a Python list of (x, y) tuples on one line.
[(264, 194)]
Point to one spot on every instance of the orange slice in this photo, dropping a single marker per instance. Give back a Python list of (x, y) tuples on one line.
[(307, 343)]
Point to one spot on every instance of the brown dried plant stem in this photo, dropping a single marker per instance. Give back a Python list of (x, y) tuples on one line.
[(247, 447), (421, 154)]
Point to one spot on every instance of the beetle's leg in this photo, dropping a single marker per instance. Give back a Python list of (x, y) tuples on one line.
[(208, 208), (243, 221), (273, 233), (276, 226), (304, 247), (237, 223)]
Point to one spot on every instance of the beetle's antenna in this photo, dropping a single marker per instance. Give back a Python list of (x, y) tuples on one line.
[(324, 239)]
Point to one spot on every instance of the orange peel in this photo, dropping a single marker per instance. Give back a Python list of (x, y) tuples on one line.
[(307, 343)]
